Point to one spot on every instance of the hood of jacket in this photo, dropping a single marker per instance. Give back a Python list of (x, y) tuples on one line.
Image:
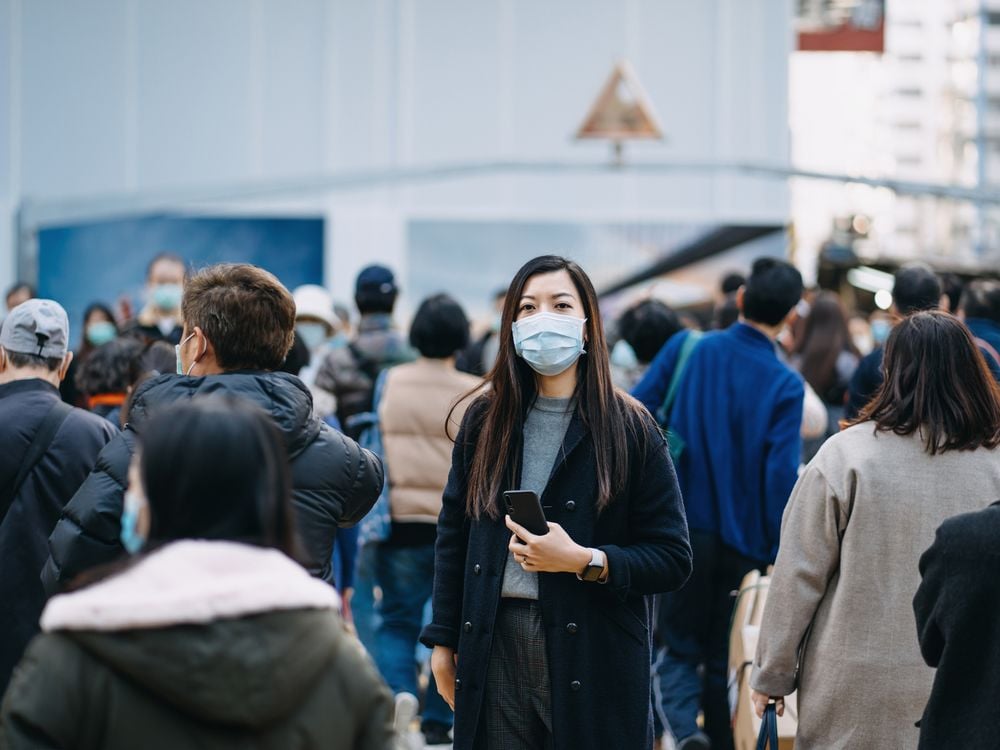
[(224, 632), (286, 398)]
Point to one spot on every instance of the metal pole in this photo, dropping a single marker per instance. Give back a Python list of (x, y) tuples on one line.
[(982, 148)]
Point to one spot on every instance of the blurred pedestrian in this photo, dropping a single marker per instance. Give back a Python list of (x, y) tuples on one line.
[(48, 450), (316, 324), (826, 358), (480, 355), (99, 327), (349, 373), (212, 638), (106, 378), (160, 319), (916, 288), (644, 329), (420, 411), (837, 625), (17, 294), (735, 420), (980, 311), (239, 324), (543, 641), (959, 628)]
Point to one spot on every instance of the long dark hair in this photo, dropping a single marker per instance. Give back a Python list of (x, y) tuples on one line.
[(512, 390), (936, 382), (825, 337), (217, 468)]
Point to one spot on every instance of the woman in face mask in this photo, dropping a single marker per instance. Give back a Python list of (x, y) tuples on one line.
[(99, 328), (211, 635), (542, 640)]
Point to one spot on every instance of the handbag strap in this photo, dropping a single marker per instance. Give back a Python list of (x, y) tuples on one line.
[(39, 445), (690, 341), (767, 738)]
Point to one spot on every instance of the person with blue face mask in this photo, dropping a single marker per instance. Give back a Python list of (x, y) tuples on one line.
[(543, 637), (160, 319)]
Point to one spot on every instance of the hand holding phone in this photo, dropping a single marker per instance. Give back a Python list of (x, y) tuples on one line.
[(524, 507)]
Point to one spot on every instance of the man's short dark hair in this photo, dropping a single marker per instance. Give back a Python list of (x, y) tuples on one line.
[(731, 282), (169, 257), (439, 328), (773, 289), (20, 286), (916, 288), (244, 311), (20, 359), (647, 326), (981, 299)]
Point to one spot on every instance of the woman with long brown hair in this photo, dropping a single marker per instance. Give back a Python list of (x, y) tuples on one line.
[(826, 357), (838, 624), (543, 641)]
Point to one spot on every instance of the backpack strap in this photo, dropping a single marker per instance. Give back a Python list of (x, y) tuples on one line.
[(39, 445), (690, 342)]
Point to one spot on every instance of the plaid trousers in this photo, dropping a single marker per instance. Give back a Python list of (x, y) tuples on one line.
[(517, 705)]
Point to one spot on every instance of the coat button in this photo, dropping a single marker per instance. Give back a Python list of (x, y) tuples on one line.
[(477, 569), (571, 628), (570, 505), (458, 684), (574, 685), (467, 627)]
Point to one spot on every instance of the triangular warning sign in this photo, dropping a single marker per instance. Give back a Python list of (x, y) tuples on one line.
[(622, 111)]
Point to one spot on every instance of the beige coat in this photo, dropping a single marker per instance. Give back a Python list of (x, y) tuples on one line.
[(858, 520), (415, 403)]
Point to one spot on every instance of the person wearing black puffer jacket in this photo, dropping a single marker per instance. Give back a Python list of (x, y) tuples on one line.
[(239, 325)]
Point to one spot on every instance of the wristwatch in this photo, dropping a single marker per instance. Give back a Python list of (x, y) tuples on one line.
[(595, 568)]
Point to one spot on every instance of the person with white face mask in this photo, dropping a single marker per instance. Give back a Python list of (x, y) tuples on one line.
[(160, 319), (543, 637)]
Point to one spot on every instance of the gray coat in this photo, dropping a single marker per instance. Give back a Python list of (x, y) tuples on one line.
[(844, 580)]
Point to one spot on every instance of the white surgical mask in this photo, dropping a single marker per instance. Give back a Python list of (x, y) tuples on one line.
[(177, 353), (549, 342)]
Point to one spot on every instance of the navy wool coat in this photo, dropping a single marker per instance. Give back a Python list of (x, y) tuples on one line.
[(597, 635)]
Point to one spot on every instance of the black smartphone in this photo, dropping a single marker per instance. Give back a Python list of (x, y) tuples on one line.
[(526, 509)]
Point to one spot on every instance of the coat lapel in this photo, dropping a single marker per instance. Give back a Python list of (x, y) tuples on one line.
[(575, 433)]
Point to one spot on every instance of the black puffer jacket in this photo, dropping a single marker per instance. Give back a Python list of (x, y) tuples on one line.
[(334, 482)]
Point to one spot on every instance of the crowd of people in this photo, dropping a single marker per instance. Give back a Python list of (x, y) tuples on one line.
[(212, 509)]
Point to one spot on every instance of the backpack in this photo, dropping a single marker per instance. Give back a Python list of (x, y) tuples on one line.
[(376, 525)]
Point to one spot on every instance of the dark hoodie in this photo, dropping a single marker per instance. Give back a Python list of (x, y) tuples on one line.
[(334, 482), (200, 645)]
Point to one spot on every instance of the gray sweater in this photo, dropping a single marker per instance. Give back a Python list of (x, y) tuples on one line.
[(544, 430)]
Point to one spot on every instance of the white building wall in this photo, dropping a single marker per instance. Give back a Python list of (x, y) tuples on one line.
[(114, 96)]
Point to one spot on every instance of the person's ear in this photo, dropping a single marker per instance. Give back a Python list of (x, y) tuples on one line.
[(739, 298), (64, 367), (3, 359), (204, 348)]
